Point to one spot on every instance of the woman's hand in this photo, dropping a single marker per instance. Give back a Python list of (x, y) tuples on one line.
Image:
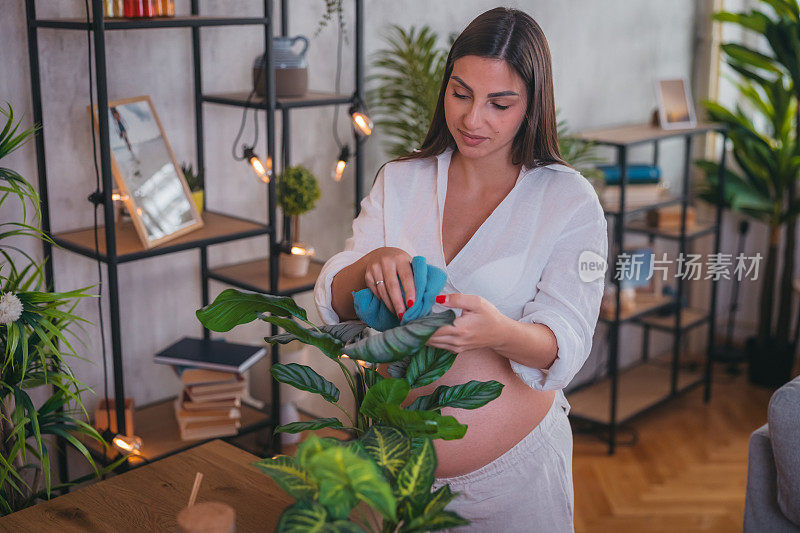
[(393, 266), (477, 326)]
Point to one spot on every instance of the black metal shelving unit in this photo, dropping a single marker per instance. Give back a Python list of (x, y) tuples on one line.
[(219, 227), (679, 321)]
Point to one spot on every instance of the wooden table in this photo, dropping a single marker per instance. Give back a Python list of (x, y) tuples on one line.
[(149, 497)]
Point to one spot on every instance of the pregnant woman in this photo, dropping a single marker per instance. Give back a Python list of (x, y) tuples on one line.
[(488, 199)]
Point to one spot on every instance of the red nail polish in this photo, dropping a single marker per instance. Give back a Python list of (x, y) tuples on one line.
[(401, 315), (410, 303), (440, 299)]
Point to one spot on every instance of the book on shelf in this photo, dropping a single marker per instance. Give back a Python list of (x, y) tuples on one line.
[(183, 415), (210, 355), (638, 173), (205, 429), (211, 373), (201, 376), (636, 195), (670, 217)]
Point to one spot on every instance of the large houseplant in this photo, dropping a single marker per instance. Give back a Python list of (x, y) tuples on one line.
[(34, 323), (389, 465), (766, 149)]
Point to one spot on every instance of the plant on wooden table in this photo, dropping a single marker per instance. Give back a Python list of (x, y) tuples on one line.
[(390, 464)]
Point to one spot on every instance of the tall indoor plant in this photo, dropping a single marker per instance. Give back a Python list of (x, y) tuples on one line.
[(766, 150), (34, 323), (389, 464)]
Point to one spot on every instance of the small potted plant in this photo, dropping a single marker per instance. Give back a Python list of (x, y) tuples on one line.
[(195, 182), (298, 190)]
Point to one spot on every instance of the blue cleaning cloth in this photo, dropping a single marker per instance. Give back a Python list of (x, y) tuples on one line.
[(429, 281)]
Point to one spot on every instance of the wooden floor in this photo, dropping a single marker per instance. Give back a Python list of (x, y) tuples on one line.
[(686, 472)]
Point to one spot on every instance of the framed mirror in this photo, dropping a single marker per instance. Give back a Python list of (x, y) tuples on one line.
[(149, 178)]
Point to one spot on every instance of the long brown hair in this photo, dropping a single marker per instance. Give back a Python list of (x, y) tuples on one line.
[(511, 35)]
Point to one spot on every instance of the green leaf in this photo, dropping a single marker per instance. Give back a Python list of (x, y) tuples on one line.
[(327, 344), (319, 423), (292, 478), (342, 474), (233, 307), (751, 57), (344, 333), (389, 391), (302, 517), (424, 423), (469, 395), (372, 377), (304, 378), (415, 479), (428, 365), (397, 343), (389, 447), (311, 446)]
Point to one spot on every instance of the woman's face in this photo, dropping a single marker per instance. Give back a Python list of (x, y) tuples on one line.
[(484, 105)]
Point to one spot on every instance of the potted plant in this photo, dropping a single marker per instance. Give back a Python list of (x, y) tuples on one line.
[(766, 149), (196, 184), (297, 192), (34, 324), (380, 479)]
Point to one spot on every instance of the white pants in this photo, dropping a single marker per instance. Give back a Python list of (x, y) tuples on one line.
[(528, 488)]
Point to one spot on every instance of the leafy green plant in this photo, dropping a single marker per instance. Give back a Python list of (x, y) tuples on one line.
[(33, 324), (409, 75), (765, 148), (412, 364), (297, 192), (194, 180)]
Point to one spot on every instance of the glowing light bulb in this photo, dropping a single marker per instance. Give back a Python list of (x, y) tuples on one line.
[(264, 172), (127, 444), (341, 163), (362, 122)]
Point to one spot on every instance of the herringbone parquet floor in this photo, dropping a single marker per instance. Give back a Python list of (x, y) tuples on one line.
[(686, 472)]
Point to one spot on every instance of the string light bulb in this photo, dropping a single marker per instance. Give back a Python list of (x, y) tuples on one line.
[(341, 163), (264, 172), (127, 444), (361, 121)]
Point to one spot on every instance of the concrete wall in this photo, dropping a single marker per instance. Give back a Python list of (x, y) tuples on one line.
[(605, 58)]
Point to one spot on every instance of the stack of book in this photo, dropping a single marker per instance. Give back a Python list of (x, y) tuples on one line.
[(211, 372), (210, 403)]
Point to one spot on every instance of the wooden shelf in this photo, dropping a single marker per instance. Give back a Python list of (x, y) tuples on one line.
[(645, 303), (158, 429), (217, 228), (629, 134), (254, 276), (638, 388), (690, 317), (692, 231), (183, 21), (310, 99)]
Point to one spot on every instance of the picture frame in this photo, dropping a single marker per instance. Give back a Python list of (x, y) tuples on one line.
[(675, 105), (150, 181)]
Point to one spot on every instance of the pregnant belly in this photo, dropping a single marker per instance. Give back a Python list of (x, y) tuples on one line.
[(494, 428)]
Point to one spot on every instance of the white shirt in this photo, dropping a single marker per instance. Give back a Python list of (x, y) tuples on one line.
[(523, 258)]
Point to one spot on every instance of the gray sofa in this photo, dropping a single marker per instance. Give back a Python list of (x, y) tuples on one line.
[(772, 502)]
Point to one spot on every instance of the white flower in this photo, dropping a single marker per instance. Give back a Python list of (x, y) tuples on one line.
[(10, 308)]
